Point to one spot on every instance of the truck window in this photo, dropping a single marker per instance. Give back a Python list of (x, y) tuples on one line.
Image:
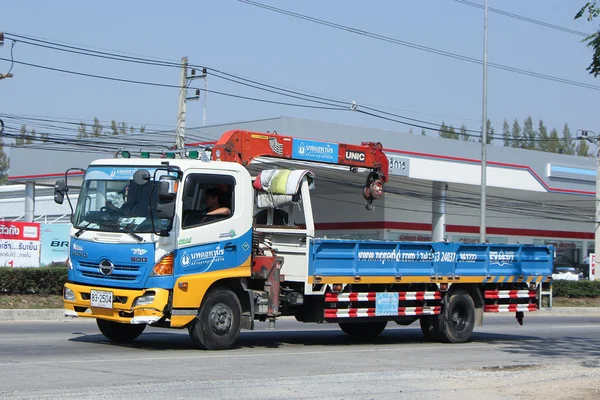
[(207, 199)]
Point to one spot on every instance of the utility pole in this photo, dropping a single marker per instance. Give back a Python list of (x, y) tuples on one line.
[(7, 75), (595, 139), (180, 138), (482, 226), (182, 108)]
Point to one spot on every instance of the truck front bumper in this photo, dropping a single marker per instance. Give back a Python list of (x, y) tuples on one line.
[(77, 303)]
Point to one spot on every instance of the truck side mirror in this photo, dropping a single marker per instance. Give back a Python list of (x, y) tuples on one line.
[(60, 188), (167, 189), (165, 210)]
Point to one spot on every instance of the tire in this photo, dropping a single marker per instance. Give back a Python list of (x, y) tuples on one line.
[(364, 329), (429, 327), (457, 320), (118, 332), (218, 323)]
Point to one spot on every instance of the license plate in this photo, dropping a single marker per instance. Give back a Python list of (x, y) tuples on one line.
[(101, 299)]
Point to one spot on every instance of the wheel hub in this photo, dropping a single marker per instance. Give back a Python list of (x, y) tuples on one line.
[(220, 318)]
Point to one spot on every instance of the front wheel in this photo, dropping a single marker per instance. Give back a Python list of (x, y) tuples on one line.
[(218, 323), (365, 329), (118, 332), (457, 320)]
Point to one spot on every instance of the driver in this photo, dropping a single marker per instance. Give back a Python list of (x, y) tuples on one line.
[(213, 203)]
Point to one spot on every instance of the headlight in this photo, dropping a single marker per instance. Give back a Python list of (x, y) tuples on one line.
[(147, 298), (69, 294)]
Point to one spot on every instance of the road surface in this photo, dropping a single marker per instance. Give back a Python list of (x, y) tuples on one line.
[(555, 357)]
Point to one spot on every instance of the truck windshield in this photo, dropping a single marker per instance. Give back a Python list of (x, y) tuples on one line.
[(117, 206)]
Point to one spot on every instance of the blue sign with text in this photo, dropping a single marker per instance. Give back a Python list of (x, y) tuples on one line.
[(312, 150)]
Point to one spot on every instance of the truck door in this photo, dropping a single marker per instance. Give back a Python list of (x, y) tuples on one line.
[(215, 234)]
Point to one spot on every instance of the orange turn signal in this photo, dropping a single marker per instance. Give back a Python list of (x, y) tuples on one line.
[(164, 266)]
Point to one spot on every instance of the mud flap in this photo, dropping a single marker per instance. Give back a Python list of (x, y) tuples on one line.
[(519, 316)]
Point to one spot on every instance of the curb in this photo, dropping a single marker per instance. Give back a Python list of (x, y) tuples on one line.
[(58, 315)]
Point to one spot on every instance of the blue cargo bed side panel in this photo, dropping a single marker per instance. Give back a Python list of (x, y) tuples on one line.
[(333, 257)]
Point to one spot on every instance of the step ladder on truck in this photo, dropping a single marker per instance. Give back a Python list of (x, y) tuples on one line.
[(179, 242)]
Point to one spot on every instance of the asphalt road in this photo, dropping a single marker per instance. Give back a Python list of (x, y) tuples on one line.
[(71, 359)]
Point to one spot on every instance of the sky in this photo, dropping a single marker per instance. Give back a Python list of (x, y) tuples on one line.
[(295, 54)]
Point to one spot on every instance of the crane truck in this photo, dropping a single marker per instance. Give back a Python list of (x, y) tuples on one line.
[(146, 249)]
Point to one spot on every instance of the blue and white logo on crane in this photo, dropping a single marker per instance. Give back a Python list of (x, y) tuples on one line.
[(313, 150)]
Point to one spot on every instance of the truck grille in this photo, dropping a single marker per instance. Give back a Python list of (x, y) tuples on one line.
[(120, 272)]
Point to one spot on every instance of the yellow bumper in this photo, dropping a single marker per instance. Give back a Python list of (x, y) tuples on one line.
[(122, 309)]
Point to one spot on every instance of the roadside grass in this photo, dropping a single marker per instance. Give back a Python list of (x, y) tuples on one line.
[(30, 301), (36, 301)]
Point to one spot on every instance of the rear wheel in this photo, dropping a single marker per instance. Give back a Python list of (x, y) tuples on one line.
[(366, 329), (118, 332), (218, 323), (457, 320)]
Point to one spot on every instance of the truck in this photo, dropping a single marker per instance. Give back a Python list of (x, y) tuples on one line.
[(150, 246)]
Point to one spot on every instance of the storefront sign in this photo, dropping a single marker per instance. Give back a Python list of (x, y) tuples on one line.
[(19, 244)]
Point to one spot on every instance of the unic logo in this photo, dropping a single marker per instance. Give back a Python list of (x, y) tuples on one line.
[(9, 230)]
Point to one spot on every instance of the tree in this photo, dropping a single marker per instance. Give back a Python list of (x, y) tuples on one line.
[(489, 133), (516, 134), (30, 138), (20, 140), (82, 131), (44, 137), (543, 137), (97, 128), (4, 162), (567, 144), (464, 135), (583, 149), (423, 133), (592, 9), (114, 128), (132, 130), (506, 136), (528, 134), (554, 145), (443, 132), (122, 128)]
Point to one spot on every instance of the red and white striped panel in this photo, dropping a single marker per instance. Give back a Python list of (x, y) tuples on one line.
[(509, 294), (370, 312), (509, 308), (371, 296)]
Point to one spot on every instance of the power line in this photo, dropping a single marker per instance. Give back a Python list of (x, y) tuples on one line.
[(164, 85), (526, 19), (419, 47)]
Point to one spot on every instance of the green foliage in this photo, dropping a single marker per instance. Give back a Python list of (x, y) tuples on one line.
[(114, 129), (44, 280), (567, 145), (515, 133), (592, 9), (4, 163), (464, 135), (506, 135), (583, 149), (97, 128), (82, 130), (575, 289), (20, 140), (542, 144)]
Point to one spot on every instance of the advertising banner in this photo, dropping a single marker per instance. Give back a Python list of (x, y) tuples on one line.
[(19, 244), (54, 244)]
